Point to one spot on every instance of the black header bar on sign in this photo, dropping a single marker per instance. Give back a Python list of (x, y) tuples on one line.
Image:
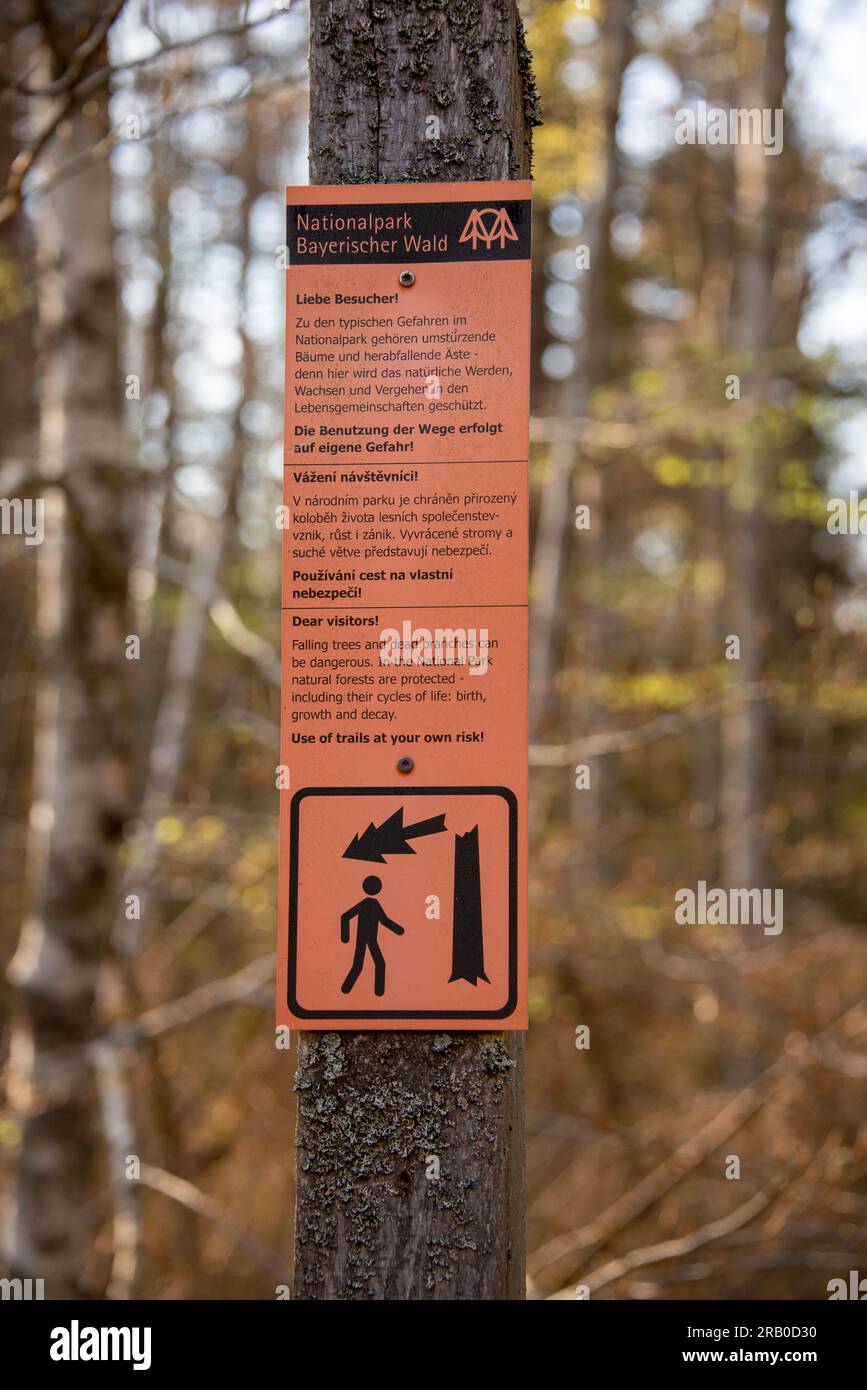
[(380, 233)]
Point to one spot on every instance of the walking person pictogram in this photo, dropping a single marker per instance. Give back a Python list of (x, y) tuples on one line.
[(370, 917)]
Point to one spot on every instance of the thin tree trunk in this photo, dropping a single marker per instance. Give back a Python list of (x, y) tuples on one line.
[(212, 550), (556, 531), (744, 729), (81, 763), (379, 1113), (17, 452)]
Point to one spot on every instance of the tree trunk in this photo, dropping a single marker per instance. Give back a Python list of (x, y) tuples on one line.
[(17, 449), (552, 563), (744, 730), (410, 1145), (80, 779)]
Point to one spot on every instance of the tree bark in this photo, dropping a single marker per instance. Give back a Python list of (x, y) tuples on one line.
[(17, 450), (410, 1145), (555, 532), (83, 717), (745, 723)]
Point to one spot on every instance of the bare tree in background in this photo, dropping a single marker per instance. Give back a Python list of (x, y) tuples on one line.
[(744, 731), (18, 421), (80, 782), (551, 553)]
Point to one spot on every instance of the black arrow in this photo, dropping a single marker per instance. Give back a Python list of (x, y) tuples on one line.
[(391, 837)]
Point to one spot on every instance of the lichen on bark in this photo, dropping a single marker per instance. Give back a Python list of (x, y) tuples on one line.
[(401, 1167)]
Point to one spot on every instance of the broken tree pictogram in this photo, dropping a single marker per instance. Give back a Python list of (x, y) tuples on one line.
[(468, 946)]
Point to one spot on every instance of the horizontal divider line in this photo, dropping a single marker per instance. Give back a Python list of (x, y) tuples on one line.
[(415, 463), (344, 607)]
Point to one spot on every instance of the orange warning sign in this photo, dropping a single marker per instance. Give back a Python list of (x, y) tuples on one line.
[(404, 714), (418, 911)]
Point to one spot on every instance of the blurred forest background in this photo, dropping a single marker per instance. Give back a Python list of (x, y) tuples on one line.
[(144, 145)]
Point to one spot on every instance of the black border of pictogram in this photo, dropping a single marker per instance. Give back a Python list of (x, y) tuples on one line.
[(294, 830)]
